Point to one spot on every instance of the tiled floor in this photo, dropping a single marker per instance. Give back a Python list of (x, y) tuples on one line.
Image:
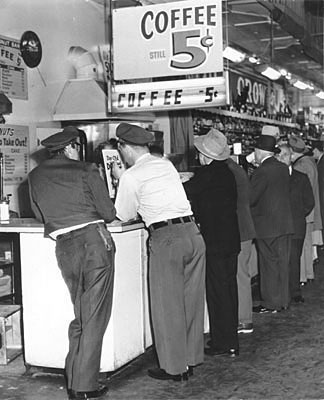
[(282, 359)]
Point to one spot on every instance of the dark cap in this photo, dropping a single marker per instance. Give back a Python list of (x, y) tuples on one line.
[(297, 144), (61, 139), (134, 134), (267, 143)]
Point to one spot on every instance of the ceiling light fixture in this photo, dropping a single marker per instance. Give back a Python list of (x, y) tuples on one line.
[(320, 95), (269, 72), (300, 85), (283, 72), (253, 60), (233, 55)]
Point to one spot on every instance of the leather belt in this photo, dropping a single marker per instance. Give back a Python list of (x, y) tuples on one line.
[(179, 220)]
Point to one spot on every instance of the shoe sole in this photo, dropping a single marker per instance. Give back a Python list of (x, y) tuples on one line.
[(245, 331)]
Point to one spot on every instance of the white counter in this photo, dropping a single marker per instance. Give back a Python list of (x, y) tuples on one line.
[(47, 308)]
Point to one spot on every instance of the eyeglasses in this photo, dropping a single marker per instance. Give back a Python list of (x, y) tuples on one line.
[(76, 145)]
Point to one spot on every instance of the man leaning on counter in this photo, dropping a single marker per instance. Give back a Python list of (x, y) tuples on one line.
[(152, 188), (71, 199)]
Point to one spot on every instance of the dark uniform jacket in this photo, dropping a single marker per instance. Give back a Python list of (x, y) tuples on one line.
[(212, 192), (245, 221), (67, 192), (270, 200), (302, 201)]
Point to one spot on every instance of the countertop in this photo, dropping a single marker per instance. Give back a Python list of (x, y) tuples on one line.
[(31, 225)]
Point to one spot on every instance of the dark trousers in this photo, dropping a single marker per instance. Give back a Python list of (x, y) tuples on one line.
[(273, 263), (86, 259), (294, 267), (222, 299)]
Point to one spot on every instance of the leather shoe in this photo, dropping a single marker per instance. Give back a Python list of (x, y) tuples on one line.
[(159, 373), (263, 310), (213, 351), (299, 299), (92, 394)]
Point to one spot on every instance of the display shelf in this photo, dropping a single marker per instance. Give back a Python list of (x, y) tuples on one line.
[(233, 114)]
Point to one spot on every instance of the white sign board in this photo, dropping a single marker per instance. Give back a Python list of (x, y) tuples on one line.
[(14, 144), (111, 156), (168, 95), (170, 39), (13, 71)]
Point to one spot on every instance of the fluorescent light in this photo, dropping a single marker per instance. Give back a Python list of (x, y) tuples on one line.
[(271, 73), (288, 76), (253, 60), (320, 95), (300, 85), (283, 72), (233, 55)]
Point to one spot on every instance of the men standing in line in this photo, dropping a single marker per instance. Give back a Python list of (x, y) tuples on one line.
[(271, 212), (245, 257), (72, 201), (302, 203), (152, 188), (213, 194), (306, 164)]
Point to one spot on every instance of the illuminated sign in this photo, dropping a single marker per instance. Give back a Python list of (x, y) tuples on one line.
[(168, 95), (170, 39)]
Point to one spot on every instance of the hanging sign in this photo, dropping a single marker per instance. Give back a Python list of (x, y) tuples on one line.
[(14, 145), (245, 90), (170, 39), (13, 72), (169, 95)]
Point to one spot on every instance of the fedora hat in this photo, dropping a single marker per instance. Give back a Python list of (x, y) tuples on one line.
[(270, 130), (297, 144), (213, 145), (267, 143)]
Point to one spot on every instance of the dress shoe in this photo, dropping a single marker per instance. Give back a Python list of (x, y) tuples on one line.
[(299, 299), (245, 327), (159, 373), (213, 351), (263, 310), (92, 394)]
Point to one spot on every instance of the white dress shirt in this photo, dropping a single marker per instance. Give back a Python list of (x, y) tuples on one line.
[(151, 188)]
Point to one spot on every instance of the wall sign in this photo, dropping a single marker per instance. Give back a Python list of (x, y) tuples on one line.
[(246, 90), (14, 145), (13, 73), (169, 95), (169, 39)]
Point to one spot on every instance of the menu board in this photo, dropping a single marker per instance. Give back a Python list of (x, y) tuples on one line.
[(13, 71), (14, 145)]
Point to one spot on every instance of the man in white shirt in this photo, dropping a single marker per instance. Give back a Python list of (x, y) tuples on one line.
[(152, 188)]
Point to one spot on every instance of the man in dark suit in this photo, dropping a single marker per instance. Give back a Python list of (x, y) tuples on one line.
[(245, 257), (318, 150), (273, 223), (72, 201), (302, 203), (212, 192)]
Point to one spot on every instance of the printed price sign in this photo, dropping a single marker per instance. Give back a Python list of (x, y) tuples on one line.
[(110, 156), (168, 39)]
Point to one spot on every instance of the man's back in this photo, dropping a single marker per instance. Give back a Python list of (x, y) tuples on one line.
[(270, 204), (66, 192)]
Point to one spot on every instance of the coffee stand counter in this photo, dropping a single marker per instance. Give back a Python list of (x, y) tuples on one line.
[(46, 304)]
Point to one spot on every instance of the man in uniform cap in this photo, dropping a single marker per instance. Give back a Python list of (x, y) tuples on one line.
[(305, 163), (72, 201), (151, 188), (271, 213)]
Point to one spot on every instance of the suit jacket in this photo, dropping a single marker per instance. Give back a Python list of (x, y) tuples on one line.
[(307, 165), (66, 193), (212, 192), (320, 171), (270, 201), (302, 201), (245, 221)]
